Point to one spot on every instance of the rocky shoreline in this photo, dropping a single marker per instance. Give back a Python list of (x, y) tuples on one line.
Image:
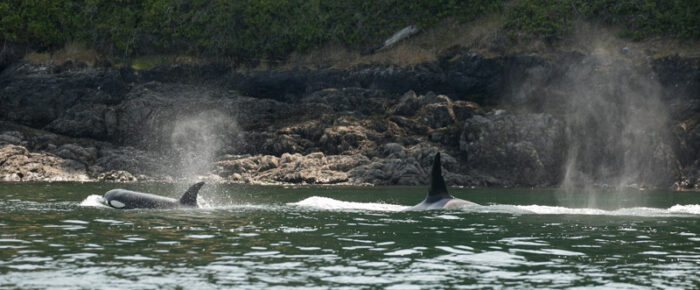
[(501, 121)]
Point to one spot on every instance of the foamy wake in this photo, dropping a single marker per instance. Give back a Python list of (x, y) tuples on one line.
[(94, 200), (690, 209), (333, 204), (326, 203)]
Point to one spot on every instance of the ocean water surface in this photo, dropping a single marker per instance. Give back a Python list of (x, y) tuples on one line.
[(60, 235)]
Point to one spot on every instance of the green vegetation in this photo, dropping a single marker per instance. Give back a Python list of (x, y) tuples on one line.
[(639, 19), (270, 29)]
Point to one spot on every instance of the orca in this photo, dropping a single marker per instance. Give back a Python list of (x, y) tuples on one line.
[(127, 199), (437, 196)]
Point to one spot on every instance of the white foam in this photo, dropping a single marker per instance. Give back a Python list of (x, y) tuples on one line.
[(333, 204), (327, 203), (692, 209), (94, 200), (687, 208)]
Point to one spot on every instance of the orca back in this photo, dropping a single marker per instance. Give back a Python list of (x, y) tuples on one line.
[(127, 199)]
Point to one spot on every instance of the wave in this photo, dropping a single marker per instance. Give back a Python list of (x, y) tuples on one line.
[(326, 203), (334, 204), (94, 200), (690, 209)]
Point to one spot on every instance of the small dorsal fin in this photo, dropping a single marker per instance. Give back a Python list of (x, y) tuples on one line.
[(437, 183), (190, 196)]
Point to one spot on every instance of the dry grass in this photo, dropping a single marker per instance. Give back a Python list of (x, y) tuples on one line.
[(73, 51), (485, 36), (604, 40), (478, 36), (38, 58)]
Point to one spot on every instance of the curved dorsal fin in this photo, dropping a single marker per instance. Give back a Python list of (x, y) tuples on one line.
[(437, 183), (190, 196)]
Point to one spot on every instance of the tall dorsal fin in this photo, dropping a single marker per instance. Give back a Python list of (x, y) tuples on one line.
[(190, 196), (437, 183)]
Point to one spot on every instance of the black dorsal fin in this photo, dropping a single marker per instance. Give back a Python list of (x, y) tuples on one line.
[(190, 196), (437, 183)]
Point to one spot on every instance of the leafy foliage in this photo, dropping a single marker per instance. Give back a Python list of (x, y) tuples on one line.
[(271, 29), (638, 18)]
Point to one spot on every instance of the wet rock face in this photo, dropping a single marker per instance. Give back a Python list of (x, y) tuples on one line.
[(516, 149), (680, 76), (37, 98), (363, 101), (458, 73), (82, 120), (373, 124), (688, 134)]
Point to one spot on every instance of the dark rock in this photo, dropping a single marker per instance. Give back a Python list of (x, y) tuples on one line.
[(36, 99), (409, 125), (525, 149), (448, 136), (475, 77), (436, 115), (314, 168), (82, 120), (132, 160), (369, 124), (86, 156), (389, 172), (344, 139), (359, 100), (408, 105), (10, 53), (679, 76), (283, 144), (120, 176), (280, 86), (11, 137), (393, 150)]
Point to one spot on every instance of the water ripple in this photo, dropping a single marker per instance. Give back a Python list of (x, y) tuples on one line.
[(271, 241)]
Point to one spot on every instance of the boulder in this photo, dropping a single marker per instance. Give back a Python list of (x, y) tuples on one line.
[(18, 164), (436, 115), (11, 137), (120, 176), (407, 106), (313, 168), (86, 156), (405, 171), (345, 139), (363, 101)]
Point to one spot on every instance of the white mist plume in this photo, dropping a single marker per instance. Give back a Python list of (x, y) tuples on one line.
[(617, 126), (196, 140)]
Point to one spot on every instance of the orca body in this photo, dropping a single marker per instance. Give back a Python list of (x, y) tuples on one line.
[(438, 197), (127, 199)]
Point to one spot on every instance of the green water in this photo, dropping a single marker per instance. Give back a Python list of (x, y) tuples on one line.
[(53, 235)]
